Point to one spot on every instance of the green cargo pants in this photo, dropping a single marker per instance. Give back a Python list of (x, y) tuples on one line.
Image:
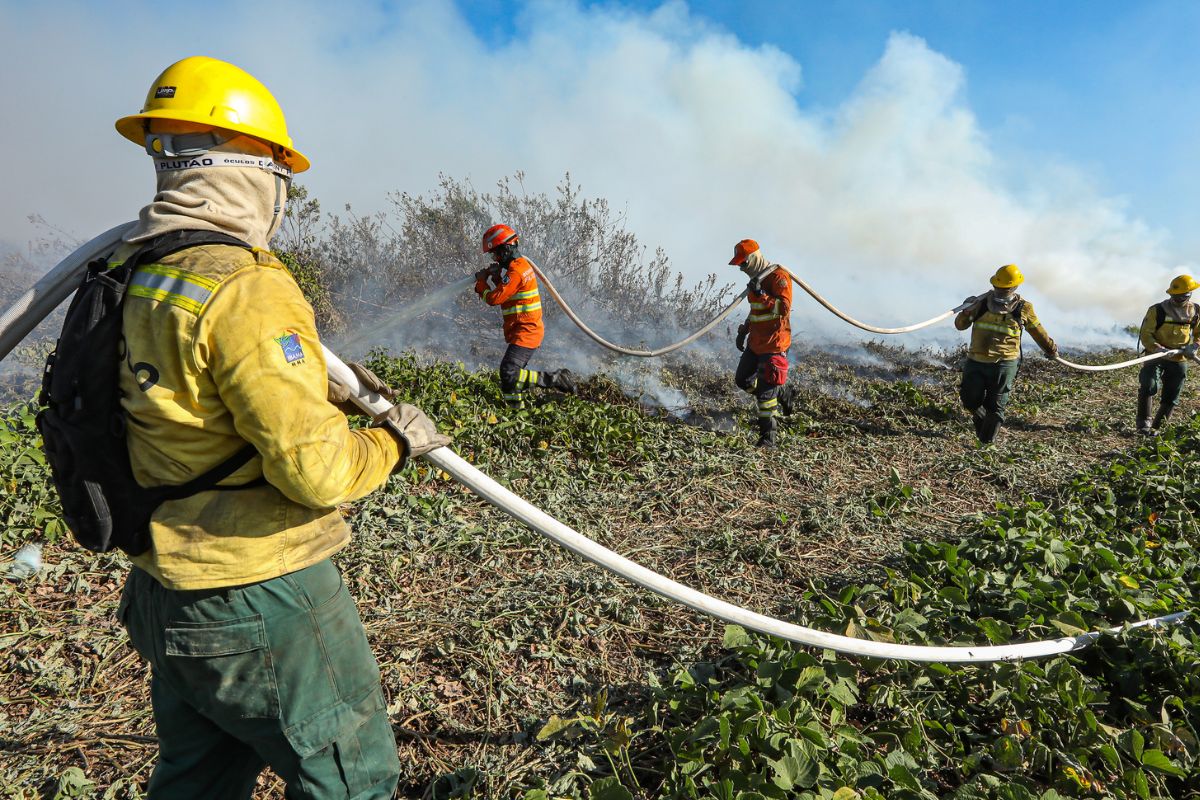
[(1170, 374), (987, 386), (275, 673)]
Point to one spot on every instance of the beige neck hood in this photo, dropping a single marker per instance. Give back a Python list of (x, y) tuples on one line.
[(246, 202), (755, 264)]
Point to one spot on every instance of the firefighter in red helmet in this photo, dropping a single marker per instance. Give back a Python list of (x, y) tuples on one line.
[(512, 284)]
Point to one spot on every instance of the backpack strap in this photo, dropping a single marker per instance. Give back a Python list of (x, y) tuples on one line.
[(210, 479), (168, 243), (1160, 316)]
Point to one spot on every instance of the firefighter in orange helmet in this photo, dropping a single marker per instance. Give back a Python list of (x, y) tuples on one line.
[(511, 284), (764, 338)]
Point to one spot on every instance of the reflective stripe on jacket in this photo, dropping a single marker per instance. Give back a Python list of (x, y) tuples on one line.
[(770, 314), (519, 301), (222, 349), (996, 336), (1179, 327)]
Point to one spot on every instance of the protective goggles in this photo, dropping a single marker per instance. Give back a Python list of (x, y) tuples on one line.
[(174, 152)]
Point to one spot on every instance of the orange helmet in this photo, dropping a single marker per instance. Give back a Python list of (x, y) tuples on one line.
[(742, 249), (497, 235)]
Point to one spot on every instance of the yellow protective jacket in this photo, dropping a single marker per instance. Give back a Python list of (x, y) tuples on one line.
[(997, 337), (221, 350), (1179, 327)]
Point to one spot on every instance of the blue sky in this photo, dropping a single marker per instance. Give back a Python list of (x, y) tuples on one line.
[(1110, 85), (899, 150)]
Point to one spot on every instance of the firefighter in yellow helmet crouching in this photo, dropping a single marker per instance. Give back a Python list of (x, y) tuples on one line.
[(997, 320), (257, 651), (1169, 325)]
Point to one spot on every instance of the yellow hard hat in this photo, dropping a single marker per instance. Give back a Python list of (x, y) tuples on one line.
[(1007, 277), (1182, 285), (207, 91)]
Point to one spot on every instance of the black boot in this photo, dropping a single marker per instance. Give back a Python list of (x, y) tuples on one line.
[(1143, 412), (977, 417), (561, 379), (989, 427), (787, 400), (1160, 419), (767, 428)]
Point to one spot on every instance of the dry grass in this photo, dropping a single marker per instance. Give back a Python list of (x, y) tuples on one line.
[(483, 630)]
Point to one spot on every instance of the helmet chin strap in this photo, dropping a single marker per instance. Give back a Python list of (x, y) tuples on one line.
[(280, 196)]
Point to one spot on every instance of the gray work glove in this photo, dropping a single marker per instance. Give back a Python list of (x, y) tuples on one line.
[(1189, 350), (415, 430), (740, 342), (340, 395)]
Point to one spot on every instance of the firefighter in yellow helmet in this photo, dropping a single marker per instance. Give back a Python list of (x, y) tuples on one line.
[(996, 319), (257, 651), (1169, 325)]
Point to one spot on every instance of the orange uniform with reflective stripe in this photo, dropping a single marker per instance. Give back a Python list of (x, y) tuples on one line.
[(770, 314), (518, 298)]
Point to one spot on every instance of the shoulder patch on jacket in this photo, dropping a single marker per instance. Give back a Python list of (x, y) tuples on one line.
[(293, 351)]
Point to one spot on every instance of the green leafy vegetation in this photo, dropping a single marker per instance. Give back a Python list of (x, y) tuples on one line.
[(514, 670), (29, 509)]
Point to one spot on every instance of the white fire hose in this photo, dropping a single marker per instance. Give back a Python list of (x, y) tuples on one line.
[(54, 287), (459, 286), (629, 351), (577, 543), (66, 276), (847, 318), (1121, 365)]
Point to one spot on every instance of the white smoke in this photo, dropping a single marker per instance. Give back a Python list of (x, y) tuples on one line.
[(892, 203)]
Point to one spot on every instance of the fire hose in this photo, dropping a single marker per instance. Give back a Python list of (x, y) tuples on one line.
[(36, 304), (1121, 365), (579, 323), (616, 348), (462, 285)]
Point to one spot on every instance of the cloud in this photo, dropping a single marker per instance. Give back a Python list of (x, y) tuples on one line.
[(892, 203)]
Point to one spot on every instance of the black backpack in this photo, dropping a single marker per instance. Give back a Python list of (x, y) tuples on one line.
[(83, 424)]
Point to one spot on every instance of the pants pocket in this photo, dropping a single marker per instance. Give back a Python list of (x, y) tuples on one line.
[(774, 370), (226, 667), (348, 751)]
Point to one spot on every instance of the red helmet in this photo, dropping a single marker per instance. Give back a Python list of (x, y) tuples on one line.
[(497, 235)]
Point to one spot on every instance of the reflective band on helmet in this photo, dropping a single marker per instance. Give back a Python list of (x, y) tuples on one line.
[(215, 158)]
